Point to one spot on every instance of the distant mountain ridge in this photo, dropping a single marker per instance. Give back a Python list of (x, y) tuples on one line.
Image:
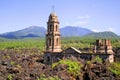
[(105, 34), (68, 31), (32, 31)]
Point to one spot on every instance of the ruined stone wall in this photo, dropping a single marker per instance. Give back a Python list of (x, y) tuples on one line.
[(103, 46)]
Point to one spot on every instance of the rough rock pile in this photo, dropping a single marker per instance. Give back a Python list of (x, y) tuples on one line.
[(28, 65)]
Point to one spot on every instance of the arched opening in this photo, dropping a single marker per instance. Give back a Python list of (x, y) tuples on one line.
[(48, 59), (50, 42), (56, 27), (57, 41), (50, 28)]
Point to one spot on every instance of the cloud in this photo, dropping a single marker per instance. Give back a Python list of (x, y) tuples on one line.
[(83, 17), (76, 23), (106, 29), (79, 23), (95, 30), (111, 29)]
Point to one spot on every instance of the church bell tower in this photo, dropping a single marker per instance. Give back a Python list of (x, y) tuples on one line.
[(53, 43)]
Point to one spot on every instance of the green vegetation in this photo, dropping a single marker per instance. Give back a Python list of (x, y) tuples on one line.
[(39, 43), (106, 34), (10, 77), (73, 67), (23, 43), (97, 59), (18, 66), (43, 77), (12, 62), (115, 68), (77, 42), (54, 78)]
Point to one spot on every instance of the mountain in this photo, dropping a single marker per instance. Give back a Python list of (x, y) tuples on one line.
[(70, 31), (106, 34), (33, 31)]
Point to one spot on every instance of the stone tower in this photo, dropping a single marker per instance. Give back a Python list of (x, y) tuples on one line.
[(53, 43)]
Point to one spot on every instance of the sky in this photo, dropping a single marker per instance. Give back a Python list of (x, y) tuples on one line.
[(96, 15)]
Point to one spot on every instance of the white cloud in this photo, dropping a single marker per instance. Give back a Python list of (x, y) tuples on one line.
[(83, 17), (79, 23), (107, 29), (76, 23), (95, 30), (111, 29)]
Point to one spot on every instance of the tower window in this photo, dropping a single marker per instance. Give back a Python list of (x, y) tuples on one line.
[(57, 41), (50, 27), (56, 27), (50, 43)]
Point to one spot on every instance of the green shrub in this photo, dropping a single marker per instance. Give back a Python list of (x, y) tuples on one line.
[(10, 77), (97, 59), (89, 62), (114, 68), (54, 78), (18, 66), (12, 62), (43, 77), (73, 67)]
